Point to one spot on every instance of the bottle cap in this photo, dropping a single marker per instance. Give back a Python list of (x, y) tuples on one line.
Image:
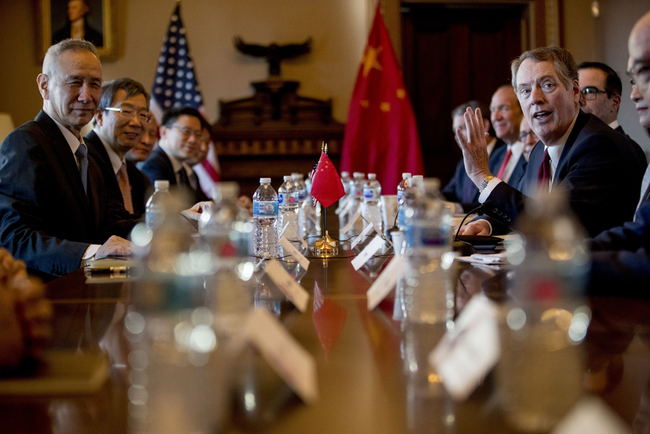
[(372, 176), (297, 176), (161, 184), (265, 180), (406, 175), (287, 177), (345, 174), (359, 175)]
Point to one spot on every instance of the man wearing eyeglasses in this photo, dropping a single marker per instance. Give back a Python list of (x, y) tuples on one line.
[(119, 126), (600, 95), (54, 208), (180, 137)]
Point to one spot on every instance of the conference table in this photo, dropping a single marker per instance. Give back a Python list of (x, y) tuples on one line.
[(367, 379)]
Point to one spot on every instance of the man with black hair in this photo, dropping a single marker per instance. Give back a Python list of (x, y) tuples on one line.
[(119, 125), (181, 133)]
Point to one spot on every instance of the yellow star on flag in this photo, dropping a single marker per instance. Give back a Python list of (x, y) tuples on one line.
[(370, 61), (385, 106), (401, 93)]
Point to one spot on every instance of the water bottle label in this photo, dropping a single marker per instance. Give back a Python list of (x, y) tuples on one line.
[(370, 193), (430, 236), (301, 195), (280, 198), (265, 208), (400, 193)]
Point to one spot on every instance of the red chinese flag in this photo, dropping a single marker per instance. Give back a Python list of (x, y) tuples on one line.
[(381, 134), (326, 186)]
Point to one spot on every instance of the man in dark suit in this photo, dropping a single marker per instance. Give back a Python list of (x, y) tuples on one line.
[(54, 211), (180, 138), (621, 255), (119, 126), (461, 191), (578, 152), (600, 95)]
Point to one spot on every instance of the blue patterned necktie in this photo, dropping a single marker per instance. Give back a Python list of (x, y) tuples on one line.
[(82, 158)]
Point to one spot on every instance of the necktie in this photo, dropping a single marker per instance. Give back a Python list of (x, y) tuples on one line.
[(182, 178), (82, 158), (502, 169), (125, 188), (645, 190), (544, 171)]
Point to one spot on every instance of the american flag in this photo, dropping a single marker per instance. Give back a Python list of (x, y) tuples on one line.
[(175, 84)]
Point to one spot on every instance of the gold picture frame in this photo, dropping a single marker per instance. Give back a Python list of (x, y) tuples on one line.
[(97, 22)]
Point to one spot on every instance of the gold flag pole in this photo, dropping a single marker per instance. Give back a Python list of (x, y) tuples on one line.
[(326, 246)]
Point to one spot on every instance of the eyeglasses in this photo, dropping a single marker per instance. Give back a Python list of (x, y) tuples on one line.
[(524, 135), (187, 132), (591, 92), (128, 113)]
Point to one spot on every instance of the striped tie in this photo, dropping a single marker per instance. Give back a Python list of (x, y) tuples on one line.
[(125, 188)]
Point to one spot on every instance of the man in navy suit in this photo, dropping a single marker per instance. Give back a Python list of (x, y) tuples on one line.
[(119, 126), (597, 166), (180, 137), (621, 255), (54, 211)]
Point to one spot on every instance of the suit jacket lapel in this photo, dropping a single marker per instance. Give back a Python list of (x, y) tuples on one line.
[(66, 157), (563, 164)]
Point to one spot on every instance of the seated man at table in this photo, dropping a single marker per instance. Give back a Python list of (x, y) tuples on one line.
[(142, 150), (461, 191), (181, 133), (119, 127), (596, 165), (621, 255), (54, 208)]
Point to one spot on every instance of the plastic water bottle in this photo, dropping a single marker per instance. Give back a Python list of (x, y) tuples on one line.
[(356, 194), (265, 216), (372, 203), (345, 180), (541, 368), (299, 181), (289, 201), (428, 292), (225, 226), (154, 210), (401, 188)]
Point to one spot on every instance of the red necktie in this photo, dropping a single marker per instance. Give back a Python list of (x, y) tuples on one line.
[(125, 188), (544, 171), (502, 169)]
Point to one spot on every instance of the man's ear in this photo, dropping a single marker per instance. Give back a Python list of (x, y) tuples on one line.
[(43, 81), (617, 102), (99, 117)]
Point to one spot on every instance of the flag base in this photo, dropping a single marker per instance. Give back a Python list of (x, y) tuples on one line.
[(326, 247)]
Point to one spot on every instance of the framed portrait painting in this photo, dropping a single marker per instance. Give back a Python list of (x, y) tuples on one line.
[(82, 19)]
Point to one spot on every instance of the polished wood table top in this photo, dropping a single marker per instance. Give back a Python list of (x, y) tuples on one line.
[(366, 377)]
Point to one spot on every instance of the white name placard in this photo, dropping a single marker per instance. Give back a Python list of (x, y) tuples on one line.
[(353, 220), (363, 235), (591, 415), (289, 287), (465, 355), (283, 353), (304, 262), (368, 252), (386, 281)]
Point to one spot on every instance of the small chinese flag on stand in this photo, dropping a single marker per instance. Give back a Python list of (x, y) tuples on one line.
[(381, 134), (326, 186)]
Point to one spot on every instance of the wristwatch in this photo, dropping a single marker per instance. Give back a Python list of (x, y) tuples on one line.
[(485, 183)]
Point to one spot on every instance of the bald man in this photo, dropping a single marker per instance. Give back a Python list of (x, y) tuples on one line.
[(621, 256)]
